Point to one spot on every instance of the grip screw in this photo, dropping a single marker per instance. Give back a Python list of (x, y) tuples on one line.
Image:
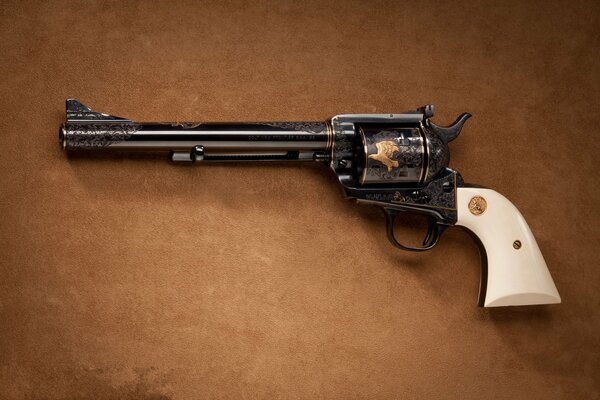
[(517, 244)]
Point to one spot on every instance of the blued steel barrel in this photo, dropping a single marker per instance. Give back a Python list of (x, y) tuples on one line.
[(218, 141), (85, 129)]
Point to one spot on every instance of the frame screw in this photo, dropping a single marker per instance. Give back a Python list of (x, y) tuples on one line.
[(517, 244)]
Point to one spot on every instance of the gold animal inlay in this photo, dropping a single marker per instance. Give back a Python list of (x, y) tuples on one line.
[(385, 152)]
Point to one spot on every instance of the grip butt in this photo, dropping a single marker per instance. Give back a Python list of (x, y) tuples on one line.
[(514, 271)]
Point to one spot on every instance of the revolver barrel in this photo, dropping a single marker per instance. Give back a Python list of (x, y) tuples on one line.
[(85, 129)]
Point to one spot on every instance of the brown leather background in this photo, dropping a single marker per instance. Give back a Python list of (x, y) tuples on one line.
[(135, 278)]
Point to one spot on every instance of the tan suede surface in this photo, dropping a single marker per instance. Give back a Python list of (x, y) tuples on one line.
[(135, 278)]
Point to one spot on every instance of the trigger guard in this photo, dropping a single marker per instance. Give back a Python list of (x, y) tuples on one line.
[(434, 232)]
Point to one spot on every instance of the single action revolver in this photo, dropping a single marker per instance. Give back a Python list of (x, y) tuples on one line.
[(396, 161)]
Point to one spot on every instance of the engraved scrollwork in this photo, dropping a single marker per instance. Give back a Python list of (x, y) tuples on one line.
[(396, 155), (398, 198), (343, 141), (77, 111), (439, 156), (312, 127), (438, 193), (342, 146), (98, 135), (186, 125)]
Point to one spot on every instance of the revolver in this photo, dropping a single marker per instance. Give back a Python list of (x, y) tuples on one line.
[(398, 162)]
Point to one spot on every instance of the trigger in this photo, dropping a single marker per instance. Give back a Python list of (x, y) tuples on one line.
[(434, 231), (430, 227)]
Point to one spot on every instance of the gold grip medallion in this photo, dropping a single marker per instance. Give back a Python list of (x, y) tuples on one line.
[(477, 205)]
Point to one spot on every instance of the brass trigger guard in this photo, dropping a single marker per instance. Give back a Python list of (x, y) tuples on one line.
[(434, 231)]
